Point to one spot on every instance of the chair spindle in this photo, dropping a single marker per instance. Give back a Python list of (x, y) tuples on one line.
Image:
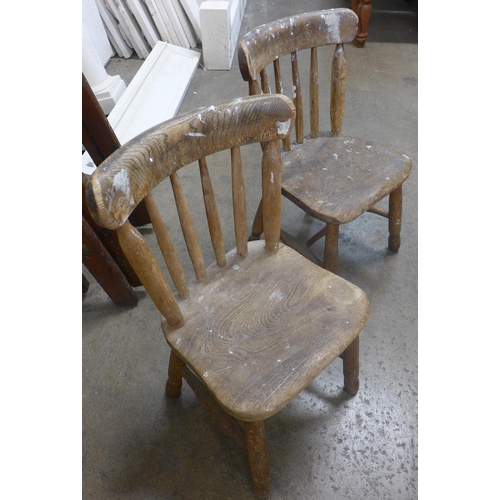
[(280, 90), (213, 219), (254, 87), (313, 93), (167, 247), (239, 202), (265, 82), (297, 98), (188, 229), (337, 95), (147, 269), (271, 195)]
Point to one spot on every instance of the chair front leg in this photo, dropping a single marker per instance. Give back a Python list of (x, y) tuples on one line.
[(350, 357), (395, 215), (258, 458), (174, 382)]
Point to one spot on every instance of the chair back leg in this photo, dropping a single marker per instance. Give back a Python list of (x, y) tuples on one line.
[(395, 214), (350, 358)]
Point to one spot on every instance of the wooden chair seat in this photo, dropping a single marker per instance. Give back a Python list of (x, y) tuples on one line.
[(336, 179), (262, 329)]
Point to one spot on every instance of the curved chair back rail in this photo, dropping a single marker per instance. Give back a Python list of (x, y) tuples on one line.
[(267, 43), (126, 176), (294, 33)]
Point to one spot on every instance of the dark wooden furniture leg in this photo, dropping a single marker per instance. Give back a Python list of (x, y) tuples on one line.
[(100, 140), (363, 9), (174, 382), (395, 215), (104, 269), (350, 358)]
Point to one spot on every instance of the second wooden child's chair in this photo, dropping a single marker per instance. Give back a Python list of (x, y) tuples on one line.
[(331, 176)]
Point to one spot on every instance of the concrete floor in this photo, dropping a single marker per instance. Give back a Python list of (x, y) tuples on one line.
[(324, 444)]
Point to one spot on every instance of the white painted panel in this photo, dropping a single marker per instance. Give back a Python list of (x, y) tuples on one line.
[(193, 12), (163, 24), (143, 18), (129, 27), (123, 49), (158, 91), (154, 94), (185, 23), (172, 15)]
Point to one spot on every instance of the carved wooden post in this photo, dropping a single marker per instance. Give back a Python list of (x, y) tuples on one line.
[(363, 9)]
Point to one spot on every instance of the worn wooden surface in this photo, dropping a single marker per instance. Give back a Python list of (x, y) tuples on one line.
[(130, 173), (261, 329), (261, 322), (336, 179), (333, 177), (265, 43)]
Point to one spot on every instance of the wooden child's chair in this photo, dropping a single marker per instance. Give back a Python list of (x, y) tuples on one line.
[(332, 176), (259, 324)]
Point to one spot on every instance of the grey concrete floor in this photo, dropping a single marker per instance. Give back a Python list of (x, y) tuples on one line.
[(324, 444)]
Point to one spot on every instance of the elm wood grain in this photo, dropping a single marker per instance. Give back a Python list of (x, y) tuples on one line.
[(276, 322), (263, 321), (363, 8), (332, 176), (335, 180), (105, 270)]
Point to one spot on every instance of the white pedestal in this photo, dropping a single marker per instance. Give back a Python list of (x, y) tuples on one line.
[(107, 89), (220, 22)]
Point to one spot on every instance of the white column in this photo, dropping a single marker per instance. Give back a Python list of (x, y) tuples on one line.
[(108, 89)]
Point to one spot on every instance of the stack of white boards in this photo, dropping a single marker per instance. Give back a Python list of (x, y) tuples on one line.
[(138, 25)]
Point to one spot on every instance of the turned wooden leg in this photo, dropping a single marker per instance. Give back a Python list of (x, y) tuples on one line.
[(174, 382), (395, 214), (363, 9), (350, 358), (331, 252), (258, 224), (257, 457)]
